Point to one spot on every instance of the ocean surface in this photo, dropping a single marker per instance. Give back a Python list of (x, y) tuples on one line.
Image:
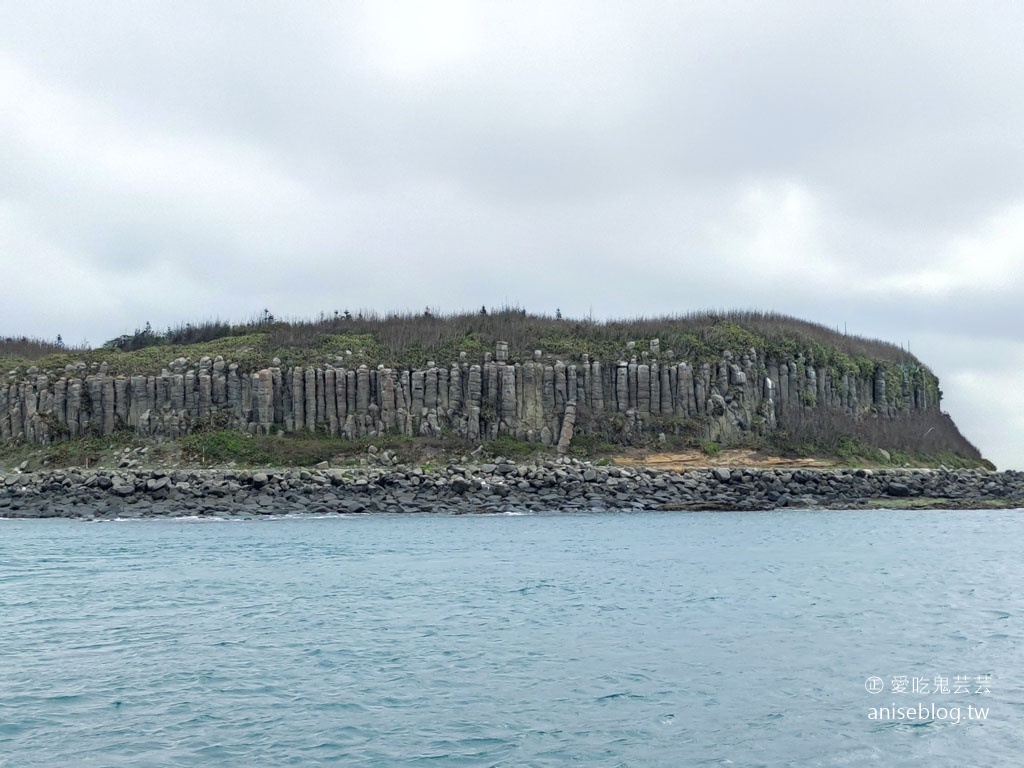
[(652, 639)]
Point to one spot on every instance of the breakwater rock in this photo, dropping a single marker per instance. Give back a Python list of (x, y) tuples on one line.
[(500, 486)]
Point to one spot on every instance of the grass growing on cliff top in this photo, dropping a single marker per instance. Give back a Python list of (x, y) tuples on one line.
[(411, 340)]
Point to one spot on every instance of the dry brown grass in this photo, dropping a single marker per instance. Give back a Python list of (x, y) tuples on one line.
[(927, 432), (403, 336), (681, 461), (25, 348)]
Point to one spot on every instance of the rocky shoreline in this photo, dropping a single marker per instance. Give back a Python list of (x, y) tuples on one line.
[(557, 485)]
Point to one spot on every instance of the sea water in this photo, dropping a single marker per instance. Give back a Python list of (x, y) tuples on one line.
[(654, 639)]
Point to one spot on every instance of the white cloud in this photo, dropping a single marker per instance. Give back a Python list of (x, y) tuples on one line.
[(407, 38), (855, 166), (979, 378), (775, 232)]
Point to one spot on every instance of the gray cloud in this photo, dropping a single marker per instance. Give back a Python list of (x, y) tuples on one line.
[(858, 167)]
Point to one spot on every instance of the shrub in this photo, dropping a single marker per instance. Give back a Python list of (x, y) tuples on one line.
[(510, 448), (710, 447)]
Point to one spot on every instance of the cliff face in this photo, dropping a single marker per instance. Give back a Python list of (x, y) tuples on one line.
[(535, 400)]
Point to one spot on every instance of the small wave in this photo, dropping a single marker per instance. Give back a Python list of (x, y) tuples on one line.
[(619, 695), (532, 587)]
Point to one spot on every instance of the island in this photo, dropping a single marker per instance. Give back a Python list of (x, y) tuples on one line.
[(480, 412)]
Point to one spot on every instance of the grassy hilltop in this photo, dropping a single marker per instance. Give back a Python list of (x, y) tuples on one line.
[(411, 340)]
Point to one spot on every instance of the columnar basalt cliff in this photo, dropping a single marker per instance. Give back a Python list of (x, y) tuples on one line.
[(542, 400)]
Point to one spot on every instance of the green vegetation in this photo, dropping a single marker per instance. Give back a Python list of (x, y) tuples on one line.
[(222, 447), (947, 459), (217, 447), (411, 340), (248, 351), (710, 447), (511, 448), (81, 452), (302, 449), (917, 438), (592, 447)]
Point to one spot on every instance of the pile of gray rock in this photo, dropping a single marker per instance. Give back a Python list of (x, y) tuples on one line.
[(557, 485)]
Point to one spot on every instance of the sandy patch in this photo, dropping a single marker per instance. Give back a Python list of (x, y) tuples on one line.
[(682, 460)]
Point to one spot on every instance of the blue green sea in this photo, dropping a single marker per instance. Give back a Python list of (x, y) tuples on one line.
[(644, 639)]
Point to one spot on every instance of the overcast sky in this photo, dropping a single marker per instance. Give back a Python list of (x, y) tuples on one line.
[(859, 164)]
